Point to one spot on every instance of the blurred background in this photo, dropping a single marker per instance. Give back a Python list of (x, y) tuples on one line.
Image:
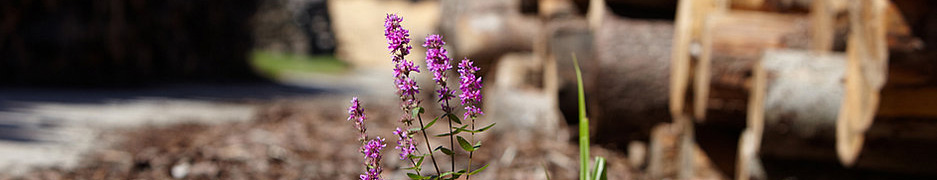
[(675, 89)]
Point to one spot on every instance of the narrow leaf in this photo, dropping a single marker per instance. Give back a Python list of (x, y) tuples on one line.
[(415, 176), (460, 129), (446, 174), (419, 163), (463, 128), (465, 144), (485, 128), (476, 171), (583, 125), (454, 118), (442, 135), (600, 170), (444, 150), (430, 124)]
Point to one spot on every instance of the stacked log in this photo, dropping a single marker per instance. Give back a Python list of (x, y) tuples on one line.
[(87, 42)]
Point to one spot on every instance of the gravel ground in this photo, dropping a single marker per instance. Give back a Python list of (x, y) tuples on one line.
[(304, 138)]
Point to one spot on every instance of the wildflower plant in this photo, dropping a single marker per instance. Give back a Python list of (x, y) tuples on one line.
[(371, 149), (438, 62)]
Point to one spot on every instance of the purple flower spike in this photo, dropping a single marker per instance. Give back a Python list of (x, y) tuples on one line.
[(471, 86), (398, 38), (404, 143), (437, 61), (398, 41), (356, 112), (372, 155)]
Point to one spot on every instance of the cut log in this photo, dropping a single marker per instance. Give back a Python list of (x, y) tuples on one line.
[(737, 39), (802, 92)]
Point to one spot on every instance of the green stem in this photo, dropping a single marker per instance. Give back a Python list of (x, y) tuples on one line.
[(451, 140), (469, 168), (428, 148)]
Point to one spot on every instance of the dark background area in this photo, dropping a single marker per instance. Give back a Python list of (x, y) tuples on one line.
[(118, 42)]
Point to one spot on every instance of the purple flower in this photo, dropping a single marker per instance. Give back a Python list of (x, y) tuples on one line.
[(404, 143), (372, 155), (437, 61), (356, 112), (471, 86), (398, 40)]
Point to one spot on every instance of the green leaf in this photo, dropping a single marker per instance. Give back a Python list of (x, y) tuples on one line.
[(477, 145), (460, 129), (446, 174), (430, 123), (415, 176), (485, 128), (443, 134), (457, 131), (420, 162), (463, 128), (454, 118), (600, 170), (476, 171), (444, 150), (583, 125), (416, 112), (465, 144)]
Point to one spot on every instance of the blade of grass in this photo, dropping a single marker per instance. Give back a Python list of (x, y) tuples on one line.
[(600, 171), (583, 126)]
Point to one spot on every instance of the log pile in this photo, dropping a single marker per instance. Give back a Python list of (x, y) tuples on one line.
[(87, 42), (823, 102)]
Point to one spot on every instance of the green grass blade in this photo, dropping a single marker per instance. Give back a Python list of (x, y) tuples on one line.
[(600, 170), (583, 126)]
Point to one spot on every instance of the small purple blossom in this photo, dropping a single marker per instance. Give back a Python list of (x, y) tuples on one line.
[(471, 86), (437, 61), (372, 155), (404, 143), (398, 38), (356, 112)]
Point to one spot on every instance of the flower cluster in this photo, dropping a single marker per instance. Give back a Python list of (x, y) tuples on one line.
[(471, 86), (398, 38), (372, 155), (404, 143), (398, 41), (356, 112), (437, 61)]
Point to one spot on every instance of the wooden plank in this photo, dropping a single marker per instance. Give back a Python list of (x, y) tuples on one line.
[(865, 75)]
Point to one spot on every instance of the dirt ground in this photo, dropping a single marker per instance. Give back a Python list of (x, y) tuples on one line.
[(307, 139)]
